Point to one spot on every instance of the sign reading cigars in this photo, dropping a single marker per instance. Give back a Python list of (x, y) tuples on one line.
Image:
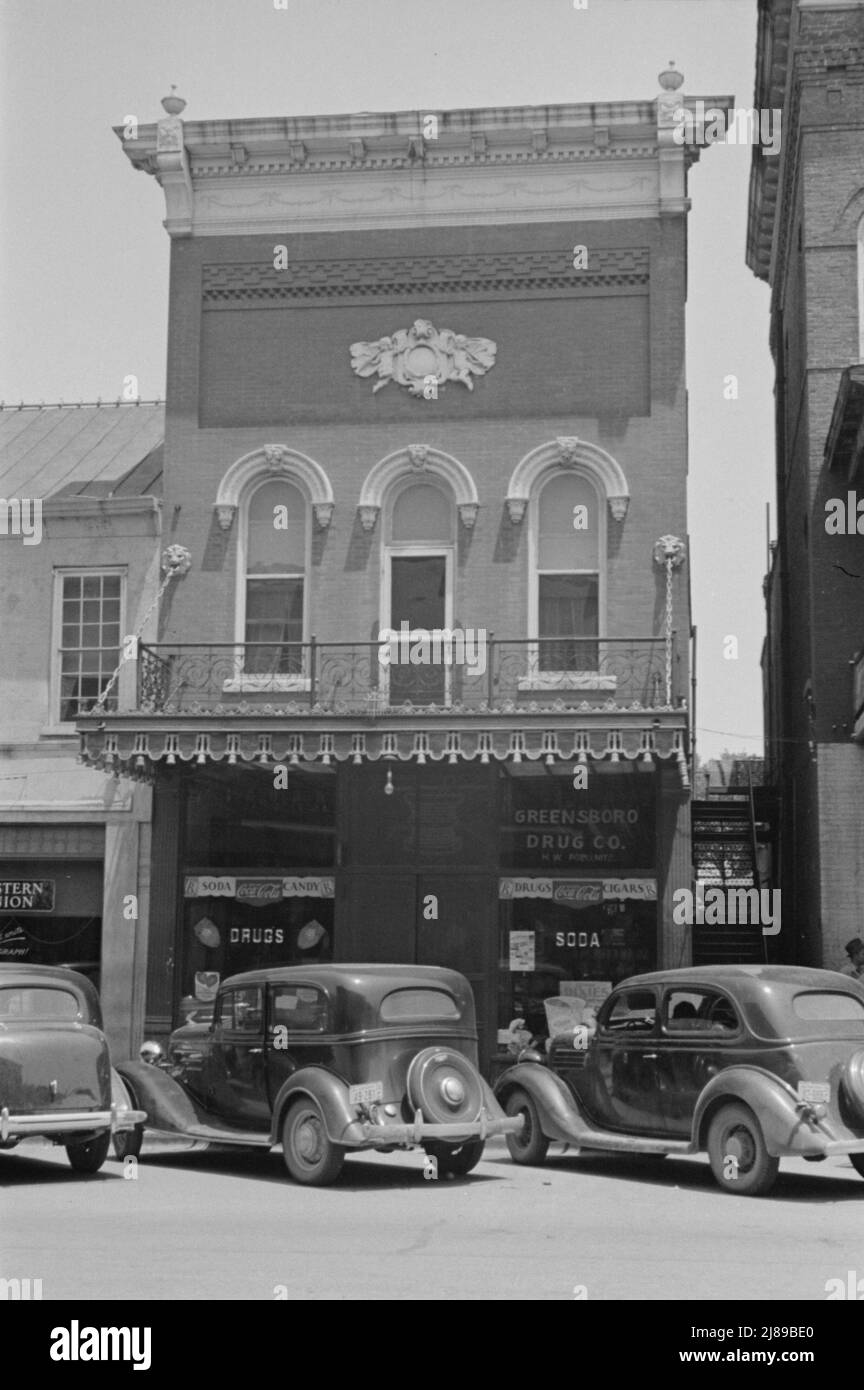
[(257, 890), (578, 892)]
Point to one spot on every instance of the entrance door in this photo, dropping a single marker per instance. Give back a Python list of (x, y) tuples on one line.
[(418, 598), (445, 918), (456, 928)]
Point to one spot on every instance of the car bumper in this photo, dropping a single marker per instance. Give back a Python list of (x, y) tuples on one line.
[(420, 1131), (68, 1122)]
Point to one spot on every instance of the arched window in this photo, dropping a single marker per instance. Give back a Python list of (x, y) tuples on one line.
[(568, 548), (274, 590), (861, 290)]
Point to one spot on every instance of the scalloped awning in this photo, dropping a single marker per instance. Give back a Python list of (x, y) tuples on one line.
[(136, 752)]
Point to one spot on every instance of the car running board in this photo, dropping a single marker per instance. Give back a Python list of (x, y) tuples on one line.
[(595, 1139), (214, 1134)]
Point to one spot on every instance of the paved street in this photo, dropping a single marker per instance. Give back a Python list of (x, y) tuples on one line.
[(207, 1225)]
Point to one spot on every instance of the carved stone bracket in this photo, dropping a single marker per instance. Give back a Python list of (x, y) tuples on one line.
[(225, 515), (516, 508), (618, 507), (468, 514), (368, 516), (323, 514)]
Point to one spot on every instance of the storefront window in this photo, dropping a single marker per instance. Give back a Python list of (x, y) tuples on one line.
[(577, 890), (258, 883)]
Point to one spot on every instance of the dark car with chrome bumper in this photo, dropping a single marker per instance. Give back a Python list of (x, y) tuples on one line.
[(56, 1078), (329, 1060)]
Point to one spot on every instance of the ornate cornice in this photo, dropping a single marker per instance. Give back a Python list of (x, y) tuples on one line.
[(496, 276), (484, 166)]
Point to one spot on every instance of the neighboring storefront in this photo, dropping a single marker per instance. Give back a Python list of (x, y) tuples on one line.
[(51, 913)]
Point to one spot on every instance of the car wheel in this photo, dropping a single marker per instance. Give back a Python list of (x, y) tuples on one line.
[(857, 1161), (456, 1161), (531, 1144), (310, 1156), (739, 1158), (89, 1157)]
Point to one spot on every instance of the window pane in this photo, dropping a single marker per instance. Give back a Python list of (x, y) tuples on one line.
[(91, 585), (71, 586), (111, 586), (567, 609), (277, 530), (560, 545), (828, 1006), (417, 1003), (274, 614), (422, 513)]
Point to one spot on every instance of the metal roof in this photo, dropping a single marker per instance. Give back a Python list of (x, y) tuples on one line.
[(94, 450)]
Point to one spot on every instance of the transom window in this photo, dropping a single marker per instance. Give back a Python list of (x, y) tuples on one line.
[(422, 514), (568, 574), (89, 640), (275, 579)]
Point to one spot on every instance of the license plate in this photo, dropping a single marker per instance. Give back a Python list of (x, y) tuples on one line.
[(366, 1094), (814, 1092)]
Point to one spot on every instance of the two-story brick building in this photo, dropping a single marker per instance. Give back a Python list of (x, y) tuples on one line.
[(76, 579), (425, 374)]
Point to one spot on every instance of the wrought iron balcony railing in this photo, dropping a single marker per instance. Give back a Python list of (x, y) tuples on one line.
[(366, 678)]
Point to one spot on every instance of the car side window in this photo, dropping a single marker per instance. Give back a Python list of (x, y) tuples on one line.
[(241, 1011), (299, 1008), (699, 1011), (632, 1011)]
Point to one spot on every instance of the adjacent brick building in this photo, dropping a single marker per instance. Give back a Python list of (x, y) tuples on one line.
[(424, 368), (805, 238)]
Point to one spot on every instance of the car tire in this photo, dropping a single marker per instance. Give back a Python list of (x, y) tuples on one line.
[(310, 1156), (460, 1161), (531, 1145), (857, 1161), (735, 1133), (89, 1157)]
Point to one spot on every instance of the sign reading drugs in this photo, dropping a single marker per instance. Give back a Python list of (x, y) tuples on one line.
[(27, 895)]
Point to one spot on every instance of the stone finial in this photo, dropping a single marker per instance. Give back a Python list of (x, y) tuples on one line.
[(670, 79), (173, 105)]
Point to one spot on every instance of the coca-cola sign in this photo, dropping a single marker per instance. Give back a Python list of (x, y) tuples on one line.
[(259, 891), (580, 894)]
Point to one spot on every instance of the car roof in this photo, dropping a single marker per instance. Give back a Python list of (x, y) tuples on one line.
[(750, 981), (372, 977)]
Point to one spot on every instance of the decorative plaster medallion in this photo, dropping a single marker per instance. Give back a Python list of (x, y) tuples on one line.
[(412, 356)]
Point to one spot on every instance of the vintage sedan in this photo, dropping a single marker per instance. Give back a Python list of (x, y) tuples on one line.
[(328, 1060), (56, 1077), (752, 1063)]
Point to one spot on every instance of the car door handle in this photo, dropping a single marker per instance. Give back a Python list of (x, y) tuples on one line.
[(255, 1051), (649, 1056)]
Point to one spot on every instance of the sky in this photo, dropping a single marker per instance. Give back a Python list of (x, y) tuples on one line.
[(84, 256)]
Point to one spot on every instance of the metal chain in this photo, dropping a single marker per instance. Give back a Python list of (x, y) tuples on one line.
[(669, 632), (176, 561)]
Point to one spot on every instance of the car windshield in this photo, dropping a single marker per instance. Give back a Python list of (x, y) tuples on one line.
[(31, 1001)]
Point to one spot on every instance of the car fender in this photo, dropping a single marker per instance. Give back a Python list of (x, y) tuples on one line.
[(331, 1094), (783, 1120), (559, 1112), (169, 1107), (121, 1100)]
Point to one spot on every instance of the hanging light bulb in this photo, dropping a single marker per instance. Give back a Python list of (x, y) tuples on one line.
[(388, 785)]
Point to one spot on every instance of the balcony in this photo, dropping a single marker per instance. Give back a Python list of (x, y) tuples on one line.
[(351, 679)]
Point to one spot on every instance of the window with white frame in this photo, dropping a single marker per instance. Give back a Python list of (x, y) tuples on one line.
[(90, 604), (274, 591), (567, 595)]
